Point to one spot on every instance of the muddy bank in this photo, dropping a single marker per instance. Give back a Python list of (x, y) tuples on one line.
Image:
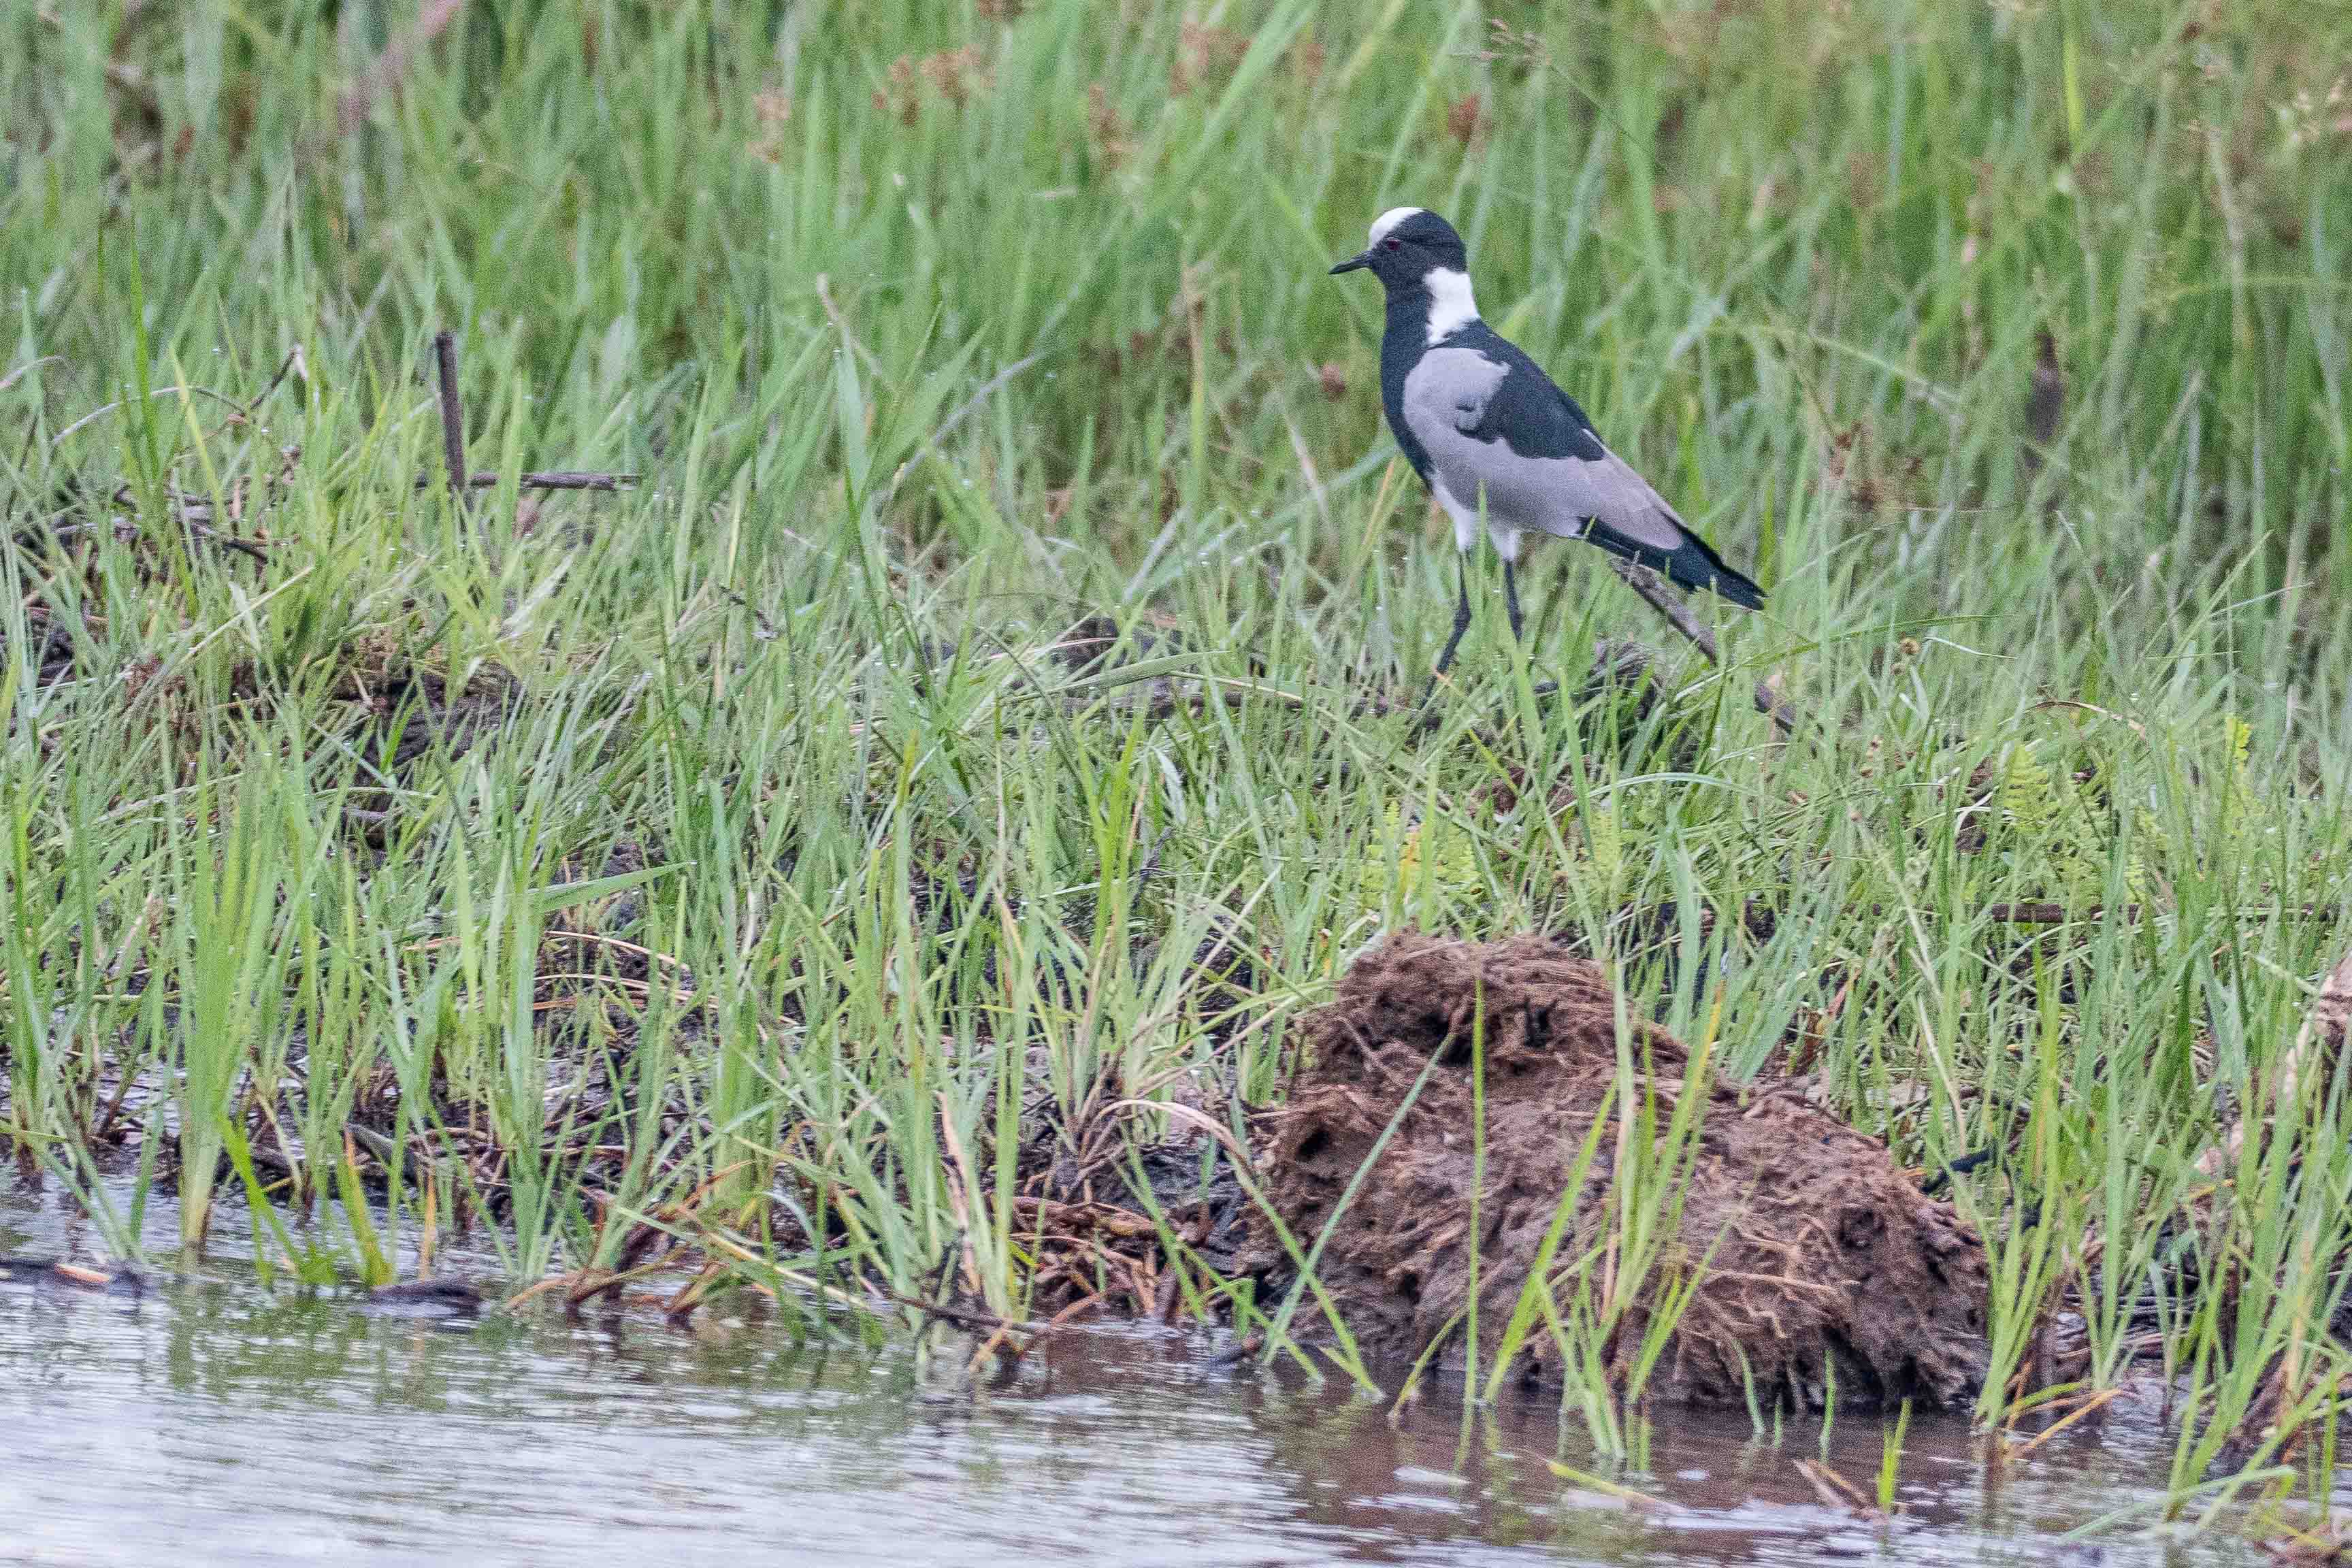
[(1826, 1258)]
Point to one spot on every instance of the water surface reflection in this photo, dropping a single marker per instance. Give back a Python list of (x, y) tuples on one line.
[(216, 1421)]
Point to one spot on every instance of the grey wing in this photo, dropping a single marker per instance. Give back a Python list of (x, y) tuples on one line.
[(1607, 491), (1513, 438), (1448, 393)]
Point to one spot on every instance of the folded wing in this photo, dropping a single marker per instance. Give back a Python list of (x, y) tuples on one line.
[(1494, 424)]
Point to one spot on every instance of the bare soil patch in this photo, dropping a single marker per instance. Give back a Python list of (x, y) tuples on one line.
[(1827, 1260)]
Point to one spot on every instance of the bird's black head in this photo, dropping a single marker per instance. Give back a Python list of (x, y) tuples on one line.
[(1407, 245)]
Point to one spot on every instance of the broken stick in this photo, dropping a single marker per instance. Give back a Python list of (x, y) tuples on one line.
[(453, 414), (1658, 596)]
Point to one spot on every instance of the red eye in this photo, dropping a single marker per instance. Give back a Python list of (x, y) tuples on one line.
[(1393, 243)]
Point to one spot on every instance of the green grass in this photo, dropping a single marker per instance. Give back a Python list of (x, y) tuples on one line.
[(931, 332)]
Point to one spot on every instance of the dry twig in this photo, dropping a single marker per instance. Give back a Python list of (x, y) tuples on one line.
[(453, 414), (1656, 593)]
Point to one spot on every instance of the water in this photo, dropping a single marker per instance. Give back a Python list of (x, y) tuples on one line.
[(214, 1420)]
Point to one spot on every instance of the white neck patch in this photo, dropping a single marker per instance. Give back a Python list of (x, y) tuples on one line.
[(1451, 308), (1389, 220)]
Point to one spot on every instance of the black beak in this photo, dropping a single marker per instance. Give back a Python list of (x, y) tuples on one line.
[(1362, 259)]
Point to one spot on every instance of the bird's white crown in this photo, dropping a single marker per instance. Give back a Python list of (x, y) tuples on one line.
[(1389, 220)]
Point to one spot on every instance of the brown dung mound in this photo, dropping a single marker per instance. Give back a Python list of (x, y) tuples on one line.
[(1826, 1256)]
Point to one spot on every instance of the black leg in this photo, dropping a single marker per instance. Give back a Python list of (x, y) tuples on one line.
[(1461, 616), (1511, 595)]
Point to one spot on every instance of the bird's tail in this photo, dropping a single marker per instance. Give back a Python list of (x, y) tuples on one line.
[(1690, 565)]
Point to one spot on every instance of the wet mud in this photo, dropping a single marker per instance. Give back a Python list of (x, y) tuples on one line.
[(1823, 1265)]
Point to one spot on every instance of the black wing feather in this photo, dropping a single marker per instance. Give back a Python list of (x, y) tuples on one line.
[(1528, 411)]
